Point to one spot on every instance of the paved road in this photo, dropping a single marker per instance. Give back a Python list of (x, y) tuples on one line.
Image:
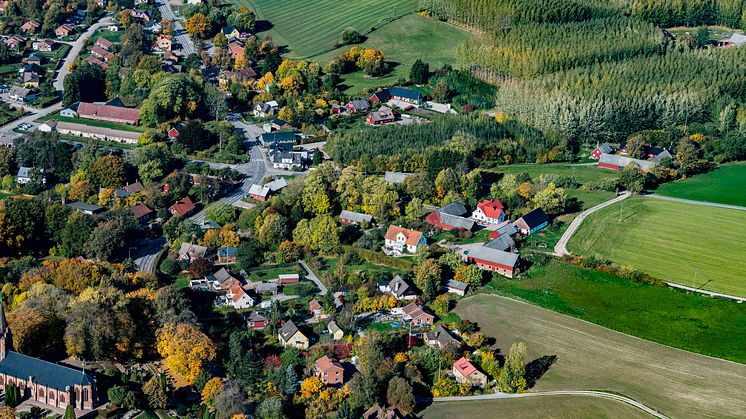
[(691, 201), (560, 249), (147, 252), (181, 35), (600, 394), (312, 276)]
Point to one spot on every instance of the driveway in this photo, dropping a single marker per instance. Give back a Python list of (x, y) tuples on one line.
[(312, 276)]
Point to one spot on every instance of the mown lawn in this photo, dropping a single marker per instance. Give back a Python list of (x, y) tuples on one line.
[(310, 28), (404, 41), (725, 185), (690, 244), (267, 272), (93, 123), (581, 173)]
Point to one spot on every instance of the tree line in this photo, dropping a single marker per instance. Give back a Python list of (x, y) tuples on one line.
[(690, 12)]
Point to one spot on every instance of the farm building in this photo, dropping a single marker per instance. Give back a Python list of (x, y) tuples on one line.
[(489, 212), (108, 113), (616, 162), (503, 242), (457, 287), (354, 218), (532, 222), (600, 149), (285, 279), (358, 106), (450, 217), (493, 260)]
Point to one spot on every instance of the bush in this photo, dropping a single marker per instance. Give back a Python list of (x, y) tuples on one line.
[(350, 36), (170, 267)]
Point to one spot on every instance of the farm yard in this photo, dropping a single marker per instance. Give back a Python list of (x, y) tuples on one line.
[(690, 244), (725, 185), (589, 357), (554, 406), (310, 28)]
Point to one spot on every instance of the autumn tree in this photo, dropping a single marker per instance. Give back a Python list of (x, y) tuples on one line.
[(35, 332), (211, 390), (401, 395), (636, 146), (446, 181), (108, 171), (441, 305), (378, 200), (469, 274), (219, 237), (198, 26), (155, 392), (551, 199), (185, 349), (316, 198), (320, 233), (349, 188), (427, 278)]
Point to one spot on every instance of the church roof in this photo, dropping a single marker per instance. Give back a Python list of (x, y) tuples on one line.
[(43, 372)]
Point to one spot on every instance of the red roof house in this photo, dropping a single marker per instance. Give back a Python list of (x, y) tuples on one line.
[(489, 212), (315, 307), (403, 240), (329, 370), (109, 113), (182, 208), (466, 373)]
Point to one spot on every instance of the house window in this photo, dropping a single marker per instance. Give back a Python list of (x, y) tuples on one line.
[(41, 392)]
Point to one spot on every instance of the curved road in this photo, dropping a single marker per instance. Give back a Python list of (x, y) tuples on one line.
[(600, 394), (560, 249)]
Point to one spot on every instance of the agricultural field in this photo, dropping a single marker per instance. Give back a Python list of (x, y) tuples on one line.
[(582, 173), (310, 28), (584, 356), (569, 407), (725, 185), (403, 42), (693, 245)]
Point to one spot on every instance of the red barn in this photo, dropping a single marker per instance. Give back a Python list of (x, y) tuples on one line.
[(493, 260), (601, 149)]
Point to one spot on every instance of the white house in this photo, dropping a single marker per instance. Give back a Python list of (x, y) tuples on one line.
[(403, 240), (489, 212), (237, 298)]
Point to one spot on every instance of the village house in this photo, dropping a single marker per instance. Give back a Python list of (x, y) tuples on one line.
[(384, 115), (399, 94), (532, 222), (174, 131), (266, 109), (256, 321), (403, 240), (440, 338), (466, 373), (329, 370), (240, 76), (25, 175), (396, 178), (37, 59), (358, 106), (315, 307), (101, 53), (378, 411), (21, 94), (489, 211), (99, 133), (190, 252), (289, 160), (85, 208), (164, 43), (457, 287), (617, 162), (64, 30), (182, 208), (43, 382), (30, 26), (141, 14), (237, 298), (44, 45), (221, 280), (95, 61), (335, 331), (493, 260), (108, 113), (31, 80), (104, 43), (399, 288), (286, 279), (283, 138), (259, 192), (416, 315), (236, 48), (142, 213), (450, 217), (227, 255), (355, 218), (600, 149), (290, 335), (230, 32), (15, 41)]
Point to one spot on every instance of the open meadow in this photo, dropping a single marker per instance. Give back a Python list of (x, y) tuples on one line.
[(569, 407), (310, 28), (589, 357), (690, 244), (582, 173), (724, 185)]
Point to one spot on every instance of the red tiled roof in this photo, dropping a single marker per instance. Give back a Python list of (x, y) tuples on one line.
[(327, 364), (237, 291), (236, 48), (412, 237), (95, 61), (95, 111), (314, 305), (183, 207), (140, 210), (465, 367), (492, 209), (104, 43)]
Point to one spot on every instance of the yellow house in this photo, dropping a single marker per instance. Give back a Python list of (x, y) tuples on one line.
[(290, 335), (334, 331)]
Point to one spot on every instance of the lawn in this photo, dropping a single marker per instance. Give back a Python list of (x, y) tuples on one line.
[(584, 356), (403, 42), (93, 123), (569, 407), (581, 173), (725, 185), (267, 272), (690, 244), (310, 28)]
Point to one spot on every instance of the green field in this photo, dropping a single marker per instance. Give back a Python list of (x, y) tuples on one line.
[(581, 172), (693, 245), (570, 407), (403, 42), (310, 28), (92, 123), (700, 324), (725, 185), (578, 355)]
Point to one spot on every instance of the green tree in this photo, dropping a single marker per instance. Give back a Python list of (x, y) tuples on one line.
[(173, 97), (219, 40), (250, 254), (320, 234), (551, 199), (316, 199), (700, 39), (108, 172), (636, 146), (401, 395), (420, 72), (631, 179), (378, 200), (69, 412), (427, 278), (350, 36), (290, 381), (447, 181), (106, 240), (270, 408), (86, 83), (512, 376)]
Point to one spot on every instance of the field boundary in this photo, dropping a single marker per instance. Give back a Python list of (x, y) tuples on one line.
[(584, 393), (705, 292), (695, 202), (560, 249)]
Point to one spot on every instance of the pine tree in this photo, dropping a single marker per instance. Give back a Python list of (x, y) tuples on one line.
[(291, 381)]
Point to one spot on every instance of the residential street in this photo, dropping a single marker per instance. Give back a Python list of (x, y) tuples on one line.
[(181, 35), (146, 254)]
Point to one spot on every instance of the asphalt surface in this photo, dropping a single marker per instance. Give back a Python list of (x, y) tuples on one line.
[(312, 276), (693, 202), (145, 254), (178, 31)]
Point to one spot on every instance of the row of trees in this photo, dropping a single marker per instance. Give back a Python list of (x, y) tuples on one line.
[(690, 12), (501, 14)]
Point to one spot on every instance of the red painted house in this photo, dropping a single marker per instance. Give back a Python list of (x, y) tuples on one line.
[(601, 149), (256, 321), (493, 260), (182, 208), (382, 116)]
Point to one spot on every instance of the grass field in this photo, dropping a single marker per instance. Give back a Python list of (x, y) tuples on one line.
[(403, 42), (93, 123), (588, 357), (581, 173), (310, 28), (725, 185), (690, 244), (569, 407), (688, 321)]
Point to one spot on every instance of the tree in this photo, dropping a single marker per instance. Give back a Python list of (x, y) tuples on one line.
[(401, 395), (427, 278), (446, 181), (420, 72), (242, 19), (470, 274), (686, 152), (185, 349), (155, 392), (320, 233), (198, 26), (316, 198), (74, 234), (108, 172), (441, 305), (290, 383), (219, 237), (211, 390), (176, 96), (172, 306), (512, 376), (194, 136), (378, 200), (7, 161), (700, 39), (35, 332), (350, 36), (250, 254), (551, 199), (631, 178), (86, 83), (636, 146), (117, 394), (219, 40), (200, 267), (69, 412), (12, 395), (106, 240), (270, 408), (243, 363)]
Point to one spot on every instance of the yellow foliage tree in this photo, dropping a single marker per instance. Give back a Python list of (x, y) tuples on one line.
[(310, 387), (266, 80), (198, 26), (216, 238), (212, 388), (185, 349)]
